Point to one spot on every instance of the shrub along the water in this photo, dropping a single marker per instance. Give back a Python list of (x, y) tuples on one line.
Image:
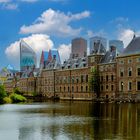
[(16, 98), (2, 94), (7, 100)]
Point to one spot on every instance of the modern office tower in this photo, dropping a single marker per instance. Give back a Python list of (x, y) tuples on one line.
[(118, 44), (98, 45), (27, 57), (79, 48)]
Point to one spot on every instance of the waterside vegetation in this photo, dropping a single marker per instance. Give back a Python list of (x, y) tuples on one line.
[(15, 97)]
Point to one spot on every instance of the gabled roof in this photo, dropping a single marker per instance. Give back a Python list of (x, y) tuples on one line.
[(133, 47)]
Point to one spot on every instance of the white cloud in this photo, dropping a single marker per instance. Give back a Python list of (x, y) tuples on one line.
[(4, 1), (37, 42), (101, 33), (126, 36), (64, 51), (55, 23), (90, 33)]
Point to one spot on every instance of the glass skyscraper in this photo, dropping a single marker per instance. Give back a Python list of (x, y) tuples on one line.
[(27, 56)]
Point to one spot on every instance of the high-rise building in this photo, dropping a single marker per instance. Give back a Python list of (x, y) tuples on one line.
[(118, 44), (27, 57), (98, 45), (79, 48)]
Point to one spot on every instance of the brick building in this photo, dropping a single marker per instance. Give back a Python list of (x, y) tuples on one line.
[(119, 75)]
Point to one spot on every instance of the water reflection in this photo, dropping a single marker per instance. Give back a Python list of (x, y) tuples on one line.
[(69, 120)]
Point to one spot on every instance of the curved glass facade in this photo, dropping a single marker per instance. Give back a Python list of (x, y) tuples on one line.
[(27, 56)]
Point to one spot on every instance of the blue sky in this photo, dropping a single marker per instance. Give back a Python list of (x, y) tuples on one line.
[(46, 24)]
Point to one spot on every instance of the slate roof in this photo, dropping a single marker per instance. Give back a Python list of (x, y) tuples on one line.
[(133, 47)]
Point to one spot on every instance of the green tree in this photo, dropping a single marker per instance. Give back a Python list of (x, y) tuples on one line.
[(2, 94), (94, 81)]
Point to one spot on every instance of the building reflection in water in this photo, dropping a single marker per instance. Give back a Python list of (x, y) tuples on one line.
[(83, 120)]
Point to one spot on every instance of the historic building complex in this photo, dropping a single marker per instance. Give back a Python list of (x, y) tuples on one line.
[(109, 69)]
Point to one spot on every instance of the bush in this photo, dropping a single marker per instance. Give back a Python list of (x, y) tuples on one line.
[(17, 98), (7, 100), (17, 91), (2, 94)]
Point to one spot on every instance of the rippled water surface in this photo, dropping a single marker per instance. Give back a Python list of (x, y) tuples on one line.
[(69, 121)]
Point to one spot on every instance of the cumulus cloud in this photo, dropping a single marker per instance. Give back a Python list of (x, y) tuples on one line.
[(64, 51), (37, 42), (55, 23), (126, 36)]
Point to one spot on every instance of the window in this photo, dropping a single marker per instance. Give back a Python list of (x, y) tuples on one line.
[(112, 77), (129, 86), (138, 71), (82, 79), (121, 62), (106, 77), (121, 72), (138, 85), (86, 88), (60, 89), (68, 79), (112, 87), (106, 87), (68, 89), (129, 71), (86, 78), (72, 80), (138, 59), (77, 88), (72, 89), (129, 61), (102, 88), (81, 88), (64, 89), (77, 80), (102, 78), (121, 86)]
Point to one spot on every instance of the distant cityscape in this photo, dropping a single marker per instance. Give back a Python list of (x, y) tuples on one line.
[(118, 68)]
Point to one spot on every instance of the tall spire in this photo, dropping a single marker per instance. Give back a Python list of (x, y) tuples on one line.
[(134, 36)]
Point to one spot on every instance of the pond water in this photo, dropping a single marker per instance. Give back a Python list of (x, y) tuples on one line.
[(69, 121)]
